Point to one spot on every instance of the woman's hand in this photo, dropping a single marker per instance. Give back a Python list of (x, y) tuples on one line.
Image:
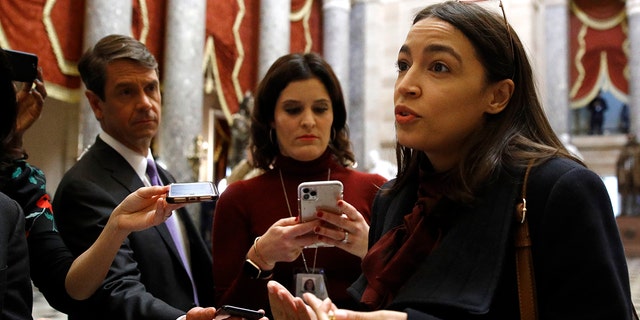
[(283, 241), (348, 231), (142, 209), (30, 102), (285, 306)]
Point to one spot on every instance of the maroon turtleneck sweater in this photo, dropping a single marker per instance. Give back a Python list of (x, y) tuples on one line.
[(246, 209)]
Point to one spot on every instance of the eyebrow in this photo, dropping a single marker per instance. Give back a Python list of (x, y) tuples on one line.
[(433, 48)]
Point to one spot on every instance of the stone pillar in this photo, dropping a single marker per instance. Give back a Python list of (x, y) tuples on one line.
[(633, 16), (275, 33), (182, 81), (101, 18), (336, 27), (556, 68), (357, 86)]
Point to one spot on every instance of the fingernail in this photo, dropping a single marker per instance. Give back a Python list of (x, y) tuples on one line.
[(319, 213), (297, 218), (340, 203), (316, 229)]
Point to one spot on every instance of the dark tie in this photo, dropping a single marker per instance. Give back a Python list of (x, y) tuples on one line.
[(152, 172), (172, 225)]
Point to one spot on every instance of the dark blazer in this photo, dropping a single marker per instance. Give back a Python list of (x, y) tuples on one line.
[(16, 297), (579, 263), (147, 279)]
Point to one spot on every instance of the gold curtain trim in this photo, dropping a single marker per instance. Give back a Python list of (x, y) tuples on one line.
[(66, 67), (61, 93), (4, 42), (211, 60), (144, 11), (604, 82), (598, 24), (240, 47), (626, 48), (577, 61), (304, 14)]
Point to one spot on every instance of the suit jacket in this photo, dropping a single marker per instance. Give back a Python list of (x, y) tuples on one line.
[(579, 264), (16, 297), (147, 279)]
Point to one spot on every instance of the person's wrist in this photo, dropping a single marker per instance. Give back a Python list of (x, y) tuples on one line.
[(259, 259)]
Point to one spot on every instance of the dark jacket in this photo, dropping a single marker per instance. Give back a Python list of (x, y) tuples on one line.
[(580, 267), (16, 297), (147, 279)]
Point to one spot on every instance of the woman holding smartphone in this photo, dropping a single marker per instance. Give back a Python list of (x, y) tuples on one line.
[(298, 134)]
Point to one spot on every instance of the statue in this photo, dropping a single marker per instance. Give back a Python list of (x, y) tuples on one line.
[(240, 131), (628, 173)]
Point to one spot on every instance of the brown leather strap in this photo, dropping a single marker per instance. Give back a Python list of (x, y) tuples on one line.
[(524, 261)]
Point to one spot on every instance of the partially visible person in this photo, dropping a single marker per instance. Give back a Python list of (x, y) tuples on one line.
[(597, 108), (23, 191), (158, 273), (469, 124), (298, 134), (16, 297)]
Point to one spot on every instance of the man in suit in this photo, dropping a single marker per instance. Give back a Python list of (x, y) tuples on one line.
[(148, 279)]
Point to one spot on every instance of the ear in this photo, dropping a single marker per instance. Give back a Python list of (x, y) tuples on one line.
[(500, 95), (95, 102)]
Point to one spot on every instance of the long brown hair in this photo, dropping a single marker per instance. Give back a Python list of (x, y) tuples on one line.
[(508, 139), (287, 69)]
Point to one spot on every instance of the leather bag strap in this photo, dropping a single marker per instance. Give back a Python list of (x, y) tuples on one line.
[(524, 260)]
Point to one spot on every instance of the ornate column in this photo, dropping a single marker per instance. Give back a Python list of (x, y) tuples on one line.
[(556, 67), (357, 77), (275, 33), (101, 18), (633, 16), (336, 27), (182, 79)]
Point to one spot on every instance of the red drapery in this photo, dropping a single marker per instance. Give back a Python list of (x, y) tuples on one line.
[(54, 31), (599, 50)]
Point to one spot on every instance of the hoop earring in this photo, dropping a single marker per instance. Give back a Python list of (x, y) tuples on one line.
[(333, 133), (271, 136)]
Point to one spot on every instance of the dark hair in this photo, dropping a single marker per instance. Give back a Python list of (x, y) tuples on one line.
[(508, 139), (8, 107), (287, 69), (93, 63)]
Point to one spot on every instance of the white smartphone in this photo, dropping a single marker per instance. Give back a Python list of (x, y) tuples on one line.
[(318, 195), (191, 192)]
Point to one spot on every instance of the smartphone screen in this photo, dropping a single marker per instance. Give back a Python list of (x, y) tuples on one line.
[(23, 64), (191, 192)]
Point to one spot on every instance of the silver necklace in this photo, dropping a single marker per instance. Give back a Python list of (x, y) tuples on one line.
[(286, 199)]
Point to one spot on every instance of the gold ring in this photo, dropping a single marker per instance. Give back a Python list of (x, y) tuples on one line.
[(331, 315)]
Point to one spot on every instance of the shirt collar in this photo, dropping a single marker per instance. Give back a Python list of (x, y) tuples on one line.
[(137, 161)]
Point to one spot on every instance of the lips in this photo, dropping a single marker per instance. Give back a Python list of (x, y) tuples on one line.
[(404, 115), (307, 137)]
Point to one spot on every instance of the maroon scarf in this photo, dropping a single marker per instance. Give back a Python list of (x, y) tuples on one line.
[(395, 257)]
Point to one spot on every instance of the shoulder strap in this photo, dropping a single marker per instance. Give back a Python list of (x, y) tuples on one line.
[(524, 261)]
